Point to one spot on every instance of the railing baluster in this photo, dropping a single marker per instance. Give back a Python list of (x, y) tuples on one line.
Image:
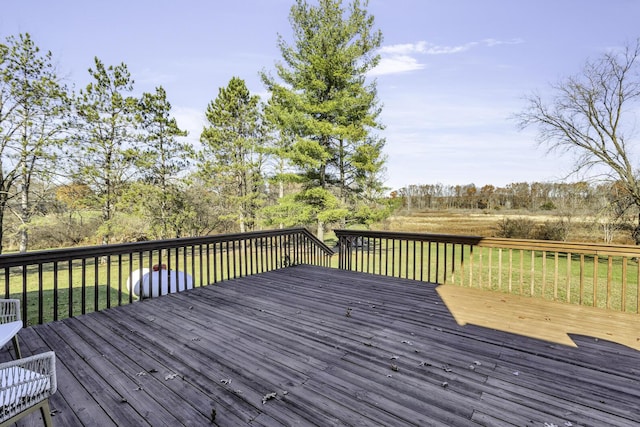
[(609, 279), (544, 272), (595, 281), (131, 279), (55, 290), (490, 276), (500, 268), (185, 262), (453, 264), (83, 285), (108, 281), (532, 272), (7, 282), (70, 296), (581, 278), (569, 258), (623, 299), (119, 279), (437, 261), (40, 294), (96, 284), (555, 276), (215, 263), (406, 261), (251, 251), (193, 266), (25, 303), (429, 262), (262, 253), (208, 269), (463, 264), (638, 287)]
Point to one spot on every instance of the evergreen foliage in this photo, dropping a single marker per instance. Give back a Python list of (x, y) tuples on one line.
[(233, 149), (324, 101), (164, 155), (105, 137)]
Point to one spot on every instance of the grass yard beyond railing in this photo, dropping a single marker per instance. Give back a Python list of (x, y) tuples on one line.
[(598, 275), (63, 283)]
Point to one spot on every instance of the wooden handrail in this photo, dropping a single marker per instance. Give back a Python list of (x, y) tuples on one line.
[(60, 283), (600, 275)]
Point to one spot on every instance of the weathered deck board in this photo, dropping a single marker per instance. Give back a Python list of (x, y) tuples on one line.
[(338, 348)]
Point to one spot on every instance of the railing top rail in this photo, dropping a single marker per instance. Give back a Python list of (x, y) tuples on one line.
[(53, 255), (448, 238), (497, 242)]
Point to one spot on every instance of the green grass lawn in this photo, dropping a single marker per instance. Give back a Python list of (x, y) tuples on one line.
[(64, 290)]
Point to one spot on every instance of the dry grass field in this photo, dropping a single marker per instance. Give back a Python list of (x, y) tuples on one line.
[(482, 223)]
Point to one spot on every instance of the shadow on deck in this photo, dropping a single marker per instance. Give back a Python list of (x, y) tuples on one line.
[(318, 346)]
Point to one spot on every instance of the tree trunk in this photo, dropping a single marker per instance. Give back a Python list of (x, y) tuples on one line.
[(24, 219), (106, 219), (280, 196), (3, 204), (636, 232), (320, 231)]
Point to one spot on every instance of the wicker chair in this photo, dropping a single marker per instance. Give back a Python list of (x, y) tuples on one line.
[(25, 386), (10, 323)]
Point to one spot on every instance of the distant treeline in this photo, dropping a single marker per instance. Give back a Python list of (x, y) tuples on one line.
[(566, 197)]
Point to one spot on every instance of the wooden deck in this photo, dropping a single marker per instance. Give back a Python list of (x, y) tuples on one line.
[(317, 346)]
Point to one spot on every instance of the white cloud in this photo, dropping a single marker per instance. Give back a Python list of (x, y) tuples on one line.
[(403, 49), (400, 58), (396, 64), (494, 42)]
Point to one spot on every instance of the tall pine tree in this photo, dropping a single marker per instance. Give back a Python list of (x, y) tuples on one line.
[(105, 138), (233, 152), (160, 195), (324, 99)]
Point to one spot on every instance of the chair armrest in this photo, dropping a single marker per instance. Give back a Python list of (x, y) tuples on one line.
[(25, 382), (9, 310), (8, 331)]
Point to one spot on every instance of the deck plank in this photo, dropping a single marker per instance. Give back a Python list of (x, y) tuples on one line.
[(336, 348), (549, 320)]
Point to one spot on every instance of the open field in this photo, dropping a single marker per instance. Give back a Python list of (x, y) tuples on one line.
[(582, 228)]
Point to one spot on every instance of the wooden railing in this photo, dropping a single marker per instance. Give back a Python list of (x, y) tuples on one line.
[(61, 283), (606, 276)]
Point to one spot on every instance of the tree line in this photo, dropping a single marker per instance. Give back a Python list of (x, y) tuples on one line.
[(535, 196), (102, 164), (607, 204)]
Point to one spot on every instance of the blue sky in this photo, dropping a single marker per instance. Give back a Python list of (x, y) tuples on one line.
[(452, 73)]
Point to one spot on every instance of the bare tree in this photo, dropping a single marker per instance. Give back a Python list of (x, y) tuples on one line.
[(591, 115), (33, 104)]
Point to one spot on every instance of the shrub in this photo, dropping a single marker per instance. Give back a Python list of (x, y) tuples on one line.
[(515, 228), (552, 230), (60, 231), (128, 228)]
